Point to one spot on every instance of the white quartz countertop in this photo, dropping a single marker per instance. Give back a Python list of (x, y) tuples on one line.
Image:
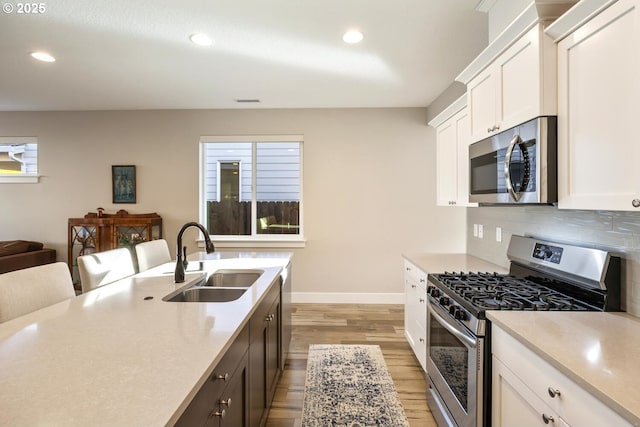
[(598, 351), (441, 262), (119, 355)]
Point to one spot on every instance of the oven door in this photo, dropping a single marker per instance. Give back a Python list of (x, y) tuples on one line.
[(455, 368)]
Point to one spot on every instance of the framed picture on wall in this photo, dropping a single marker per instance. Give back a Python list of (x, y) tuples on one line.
[(123, 179)]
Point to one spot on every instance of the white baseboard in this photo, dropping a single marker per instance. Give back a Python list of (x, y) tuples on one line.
[(346, 298)]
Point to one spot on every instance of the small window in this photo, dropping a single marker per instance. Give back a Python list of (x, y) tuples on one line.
[(18, 159), (229, 188), (252, 188)]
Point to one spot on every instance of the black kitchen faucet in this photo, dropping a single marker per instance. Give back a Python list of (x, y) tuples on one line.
[(181, 253)]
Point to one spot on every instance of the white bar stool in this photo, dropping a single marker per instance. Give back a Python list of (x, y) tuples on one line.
[(30, 289)]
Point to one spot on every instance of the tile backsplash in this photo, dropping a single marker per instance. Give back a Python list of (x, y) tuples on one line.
[(618, 232)]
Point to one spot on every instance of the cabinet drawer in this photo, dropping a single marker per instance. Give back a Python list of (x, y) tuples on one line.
[(231, 358), (413, 272), (421, 309), (575, 405), (206, 400)]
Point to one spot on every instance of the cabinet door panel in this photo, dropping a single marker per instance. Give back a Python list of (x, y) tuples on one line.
[(264, 359), (446, 155), (513, 403), (236, 395), (452, 166), (258, 388), (481, 100), (462, 140), (598, 103), (410, 310), (519, 70), (272, 352)]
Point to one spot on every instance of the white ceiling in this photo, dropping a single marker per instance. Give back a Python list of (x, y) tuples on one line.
[(135, 54)]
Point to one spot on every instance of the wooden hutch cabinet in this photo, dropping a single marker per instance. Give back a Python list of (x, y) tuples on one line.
[(98, 232)]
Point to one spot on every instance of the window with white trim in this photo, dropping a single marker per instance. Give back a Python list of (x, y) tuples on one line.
[(251, 188), (18, 159)]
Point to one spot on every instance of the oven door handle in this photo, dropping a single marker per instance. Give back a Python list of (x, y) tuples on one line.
[(467, 340)]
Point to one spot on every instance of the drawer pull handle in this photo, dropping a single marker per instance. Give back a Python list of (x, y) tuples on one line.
[(553, 392), (547, 419), (226, 402), (220, 414), (224, 377)]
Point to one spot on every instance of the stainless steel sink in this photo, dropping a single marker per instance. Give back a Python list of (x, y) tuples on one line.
[(233, 278), (207, 294)]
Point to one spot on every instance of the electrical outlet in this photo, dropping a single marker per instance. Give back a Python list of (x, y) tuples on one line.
[(475, 230), (480, 231), (498, 234)]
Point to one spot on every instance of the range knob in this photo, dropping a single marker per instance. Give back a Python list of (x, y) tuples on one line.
[(444, 300), (434, 292), (460, 314)]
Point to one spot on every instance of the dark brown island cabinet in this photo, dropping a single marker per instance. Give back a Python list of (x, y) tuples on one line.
[(240, 390)]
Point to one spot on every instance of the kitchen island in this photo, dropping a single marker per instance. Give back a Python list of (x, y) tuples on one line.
[(581, 365), (120, 355)]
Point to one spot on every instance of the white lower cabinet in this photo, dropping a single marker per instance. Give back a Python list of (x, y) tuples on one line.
[(415, 311), (527, 391), (515, 404)]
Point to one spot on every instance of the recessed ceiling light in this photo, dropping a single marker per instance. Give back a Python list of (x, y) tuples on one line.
[(353, 36), (201, 39), (43, 56)]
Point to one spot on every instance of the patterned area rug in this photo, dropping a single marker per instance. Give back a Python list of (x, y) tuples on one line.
[(350, 386)]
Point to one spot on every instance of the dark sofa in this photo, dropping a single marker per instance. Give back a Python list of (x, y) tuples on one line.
[(19, 254)]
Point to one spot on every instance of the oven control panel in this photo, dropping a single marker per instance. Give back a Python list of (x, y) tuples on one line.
[(547, 253)]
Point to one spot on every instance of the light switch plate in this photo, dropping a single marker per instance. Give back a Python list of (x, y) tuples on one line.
[(480, 231), (498, 234), (475, 230)]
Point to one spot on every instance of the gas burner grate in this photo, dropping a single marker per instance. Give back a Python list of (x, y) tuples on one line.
[(493, 291)]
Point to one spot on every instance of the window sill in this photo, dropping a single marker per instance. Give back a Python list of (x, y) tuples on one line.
[(256, 243), (19, 179)]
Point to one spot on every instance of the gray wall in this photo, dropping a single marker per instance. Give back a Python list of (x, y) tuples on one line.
[(615, 231), (369, 183)]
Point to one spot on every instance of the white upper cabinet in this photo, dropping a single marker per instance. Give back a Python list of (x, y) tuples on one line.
[(598, 92), (517, 86), (514, 79), (452, 155)]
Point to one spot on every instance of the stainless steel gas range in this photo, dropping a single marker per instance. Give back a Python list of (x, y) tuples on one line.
[(543, 276)]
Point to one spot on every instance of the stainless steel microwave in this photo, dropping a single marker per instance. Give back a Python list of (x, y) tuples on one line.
[(516, 166)]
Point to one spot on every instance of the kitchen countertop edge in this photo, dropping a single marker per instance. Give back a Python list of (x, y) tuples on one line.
[(130, 306), (441, 262), (563, 364)]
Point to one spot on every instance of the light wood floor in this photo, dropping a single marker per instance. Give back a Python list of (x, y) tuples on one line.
[(350, 324)]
